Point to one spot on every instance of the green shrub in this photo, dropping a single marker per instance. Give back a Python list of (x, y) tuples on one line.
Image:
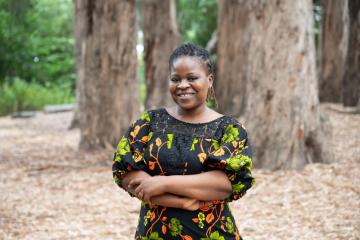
[(18, 95)]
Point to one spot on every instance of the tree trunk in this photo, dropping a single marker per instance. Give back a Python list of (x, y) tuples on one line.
[(234, 37), (161, 37), (351, 87), (108, 91), (80, 10), (334, 44), (273, 62)]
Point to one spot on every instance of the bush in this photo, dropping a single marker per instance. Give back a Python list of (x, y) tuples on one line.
[(18, 95)]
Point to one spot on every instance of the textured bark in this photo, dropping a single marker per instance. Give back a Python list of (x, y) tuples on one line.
[(234, 37), (80, 10), (271, 58), (161, 37), (106, 63), (351, 87), (334, 45)]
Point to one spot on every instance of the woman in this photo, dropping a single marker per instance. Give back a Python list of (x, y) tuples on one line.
[(185, 162)]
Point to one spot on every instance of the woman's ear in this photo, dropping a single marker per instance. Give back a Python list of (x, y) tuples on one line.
[(211, 79)]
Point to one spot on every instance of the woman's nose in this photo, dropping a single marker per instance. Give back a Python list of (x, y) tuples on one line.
[(183, 84)]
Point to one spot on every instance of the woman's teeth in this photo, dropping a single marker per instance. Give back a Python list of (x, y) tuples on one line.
[(185, 94)]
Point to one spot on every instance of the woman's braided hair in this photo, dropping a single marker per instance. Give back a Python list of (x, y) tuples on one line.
[(192, 50)]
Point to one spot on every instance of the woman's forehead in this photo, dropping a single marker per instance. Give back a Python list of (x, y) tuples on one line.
[(188, 63)]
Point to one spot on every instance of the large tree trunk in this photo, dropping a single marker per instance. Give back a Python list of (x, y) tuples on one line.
[(274, 59), (334, 45), (351, 87), (233, 41), (108, 93), (80, 11), (161, 37)]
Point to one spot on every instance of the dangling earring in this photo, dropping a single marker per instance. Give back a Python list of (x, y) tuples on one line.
[(211, 95), (208, 95)]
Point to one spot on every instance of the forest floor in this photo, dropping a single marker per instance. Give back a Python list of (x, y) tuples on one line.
[(50, 190)]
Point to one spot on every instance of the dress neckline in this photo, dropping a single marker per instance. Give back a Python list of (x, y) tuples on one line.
[(189, 123)]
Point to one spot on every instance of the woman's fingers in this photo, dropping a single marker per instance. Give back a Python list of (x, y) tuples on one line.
[(147, 197), (138, 189), (134, 182), (141, 195), (144, 188)]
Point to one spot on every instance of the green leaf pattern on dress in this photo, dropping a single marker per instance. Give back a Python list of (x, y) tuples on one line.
[(175, 227), (145, 116), (122, 148), (195, 141), (153, 236), (170, 137), (229, 225), (214, 236), (231, 134), (238, 162)]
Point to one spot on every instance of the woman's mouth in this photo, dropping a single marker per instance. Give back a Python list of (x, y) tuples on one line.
[(185, 95)]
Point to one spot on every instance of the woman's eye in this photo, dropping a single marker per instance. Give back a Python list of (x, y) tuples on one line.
[(174, 79), (192, 78)]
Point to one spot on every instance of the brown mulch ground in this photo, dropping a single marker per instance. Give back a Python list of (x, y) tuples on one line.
[(50, 190)]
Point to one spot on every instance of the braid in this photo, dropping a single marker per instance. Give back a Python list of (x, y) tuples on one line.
[(192, 50)]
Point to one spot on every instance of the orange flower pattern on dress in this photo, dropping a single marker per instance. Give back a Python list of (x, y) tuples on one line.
[(161, 145)]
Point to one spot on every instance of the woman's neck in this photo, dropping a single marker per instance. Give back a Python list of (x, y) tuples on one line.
[(191, 113)]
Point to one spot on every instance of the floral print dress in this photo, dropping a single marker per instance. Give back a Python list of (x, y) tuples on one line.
[(160, 144)]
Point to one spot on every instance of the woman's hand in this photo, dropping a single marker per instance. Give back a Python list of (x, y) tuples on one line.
[(133, 175), (145, 188), (191, 204)]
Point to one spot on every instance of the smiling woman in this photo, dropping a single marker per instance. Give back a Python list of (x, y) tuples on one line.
[(187, 161), (189, 82)]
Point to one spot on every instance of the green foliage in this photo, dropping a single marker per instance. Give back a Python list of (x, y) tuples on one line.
[(36, 54), (197, 20), (36, 41), (18, 95)]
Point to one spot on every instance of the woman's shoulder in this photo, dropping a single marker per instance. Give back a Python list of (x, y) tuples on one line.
[(230, 122), (153, 112), (226, 119), (148, 115)]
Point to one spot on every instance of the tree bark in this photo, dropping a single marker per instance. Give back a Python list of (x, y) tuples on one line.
[(232, 50), (269, 57), (334, 45), (106, 61), (80, 8), (161, 37), (351, 83)]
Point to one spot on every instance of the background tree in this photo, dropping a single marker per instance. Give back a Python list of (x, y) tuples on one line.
[(351, 87), (36, 42), (108, 65), (234, 36), (197, 20), (161, 37), (36, 54), (272, 56), (334, 46)]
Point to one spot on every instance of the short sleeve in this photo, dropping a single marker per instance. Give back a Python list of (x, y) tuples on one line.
[(234, 156), (129, 153)]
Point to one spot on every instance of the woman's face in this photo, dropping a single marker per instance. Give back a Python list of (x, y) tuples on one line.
[(189, 82)]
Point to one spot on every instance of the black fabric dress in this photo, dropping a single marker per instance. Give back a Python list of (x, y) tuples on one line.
[(160, 144)]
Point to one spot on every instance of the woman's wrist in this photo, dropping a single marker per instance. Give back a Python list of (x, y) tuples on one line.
[(166, 183)]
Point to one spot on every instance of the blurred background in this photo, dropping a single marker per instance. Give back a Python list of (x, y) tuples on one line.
[(74, 74)]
